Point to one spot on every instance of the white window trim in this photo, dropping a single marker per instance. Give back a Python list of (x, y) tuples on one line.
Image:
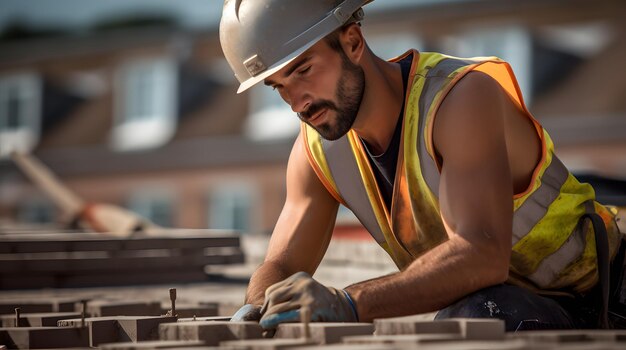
[(149, 131), (26, 137)]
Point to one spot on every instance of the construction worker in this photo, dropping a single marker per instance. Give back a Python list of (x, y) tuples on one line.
[(440, 160)]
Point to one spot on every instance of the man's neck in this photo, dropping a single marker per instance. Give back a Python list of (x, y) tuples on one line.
[(382, 102)]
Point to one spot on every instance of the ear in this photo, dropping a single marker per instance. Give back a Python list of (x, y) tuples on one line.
[(353, 43)]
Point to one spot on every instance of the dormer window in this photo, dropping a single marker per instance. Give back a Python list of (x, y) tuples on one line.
[(20, 112), (145, 104)]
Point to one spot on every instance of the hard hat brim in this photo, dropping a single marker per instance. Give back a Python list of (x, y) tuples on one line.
[(278, 66)]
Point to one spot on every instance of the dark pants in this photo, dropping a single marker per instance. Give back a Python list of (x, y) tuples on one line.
[(523, 310), (519, 308)]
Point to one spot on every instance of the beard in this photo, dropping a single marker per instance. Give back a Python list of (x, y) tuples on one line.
[(349, 94)]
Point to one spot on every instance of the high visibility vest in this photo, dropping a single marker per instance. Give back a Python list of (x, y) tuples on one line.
[(552, 249)]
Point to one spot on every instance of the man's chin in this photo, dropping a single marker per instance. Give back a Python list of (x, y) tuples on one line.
[(330, 135)]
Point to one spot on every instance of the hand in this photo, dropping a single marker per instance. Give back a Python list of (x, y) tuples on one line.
[(247, 312), (283, 301)]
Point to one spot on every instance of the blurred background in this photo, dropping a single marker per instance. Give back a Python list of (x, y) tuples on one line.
[(130, 102)]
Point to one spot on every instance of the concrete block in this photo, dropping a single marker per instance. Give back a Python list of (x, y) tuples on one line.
[(48, 319), (120, 328), (44, 337), (265, 344), (414, 325), (210, 318), (7, 307), (324, 332), (351, 347), (401, 339), (516, 344), (481, 328), (182, 310), (211, 332), (102, 308), (160, 344)]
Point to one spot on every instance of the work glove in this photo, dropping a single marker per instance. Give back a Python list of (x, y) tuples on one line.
[(247, 312), (284, 300)]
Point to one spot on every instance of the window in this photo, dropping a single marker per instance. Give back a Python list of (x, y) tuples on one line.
[(36, 211), (20, 110), (513, 44), (390, 45), (154, 205), (271, 118), (145, 104), (231, 206)]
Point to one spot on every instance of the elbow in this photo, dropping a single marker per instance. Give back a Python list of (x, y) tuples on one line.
[(496, 265)]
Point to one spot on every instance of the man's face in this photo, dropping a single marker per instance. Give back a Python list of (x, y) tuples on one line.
[(324, 87)]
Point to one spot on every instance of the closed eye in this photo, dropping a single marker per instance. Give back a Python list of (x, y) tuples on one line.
[(305, 70)]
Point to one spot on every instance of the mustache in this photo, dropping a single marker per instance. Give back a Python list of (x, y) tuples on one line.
[(316, 107)]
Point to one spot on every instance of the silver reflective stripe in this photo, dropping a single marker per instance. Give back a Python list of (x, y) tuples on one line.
[(435, 80), (551, 267), (345, 172), (536, 205)]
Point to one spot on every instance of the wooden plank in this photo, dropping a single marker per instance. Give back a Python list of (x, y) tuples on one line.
[(48, 319), (44, 337), (16, 264), (38, 244), (104, 278), (7, 307), (120, 328)]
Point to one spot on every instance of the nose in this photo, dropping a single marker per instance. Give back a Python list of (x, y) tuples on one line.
[(298, 99)]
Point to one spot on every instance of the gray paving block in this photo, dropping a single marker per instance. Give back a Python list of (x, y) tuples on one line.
[(414, 325), (210, 318), (44, 337), (324, 332), (101, 308), (265, 344), (513, 344), (146, 345), (7, 307), (187, 311), (48, 319), (401, 339), (116, 329), (351, 347), (481, 328), (211, 332)]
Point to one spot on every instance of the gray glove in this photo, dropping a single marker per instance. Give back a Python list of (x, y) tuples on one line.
[(247, 312), (284, 300)]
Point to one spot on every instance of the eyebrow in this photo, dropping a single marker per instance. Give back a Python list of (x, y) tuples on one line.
[(290, 71)]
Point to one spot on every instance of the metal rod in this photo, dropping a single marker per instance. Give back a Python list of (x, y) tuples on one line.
[(17, 317), (173, 300), (84, 312), (305, 317)]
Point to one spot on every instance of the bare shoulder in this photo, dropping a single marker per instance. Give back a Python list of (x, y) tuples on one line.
[(302, 180), (471, 115)]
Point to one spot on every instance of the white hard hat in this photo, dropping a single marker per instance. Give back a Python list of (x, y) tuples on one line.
[(259, 37)]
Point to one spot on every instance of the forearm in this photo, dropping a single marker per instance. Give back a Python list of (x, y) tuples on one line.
[(266, 275), (435, 280)]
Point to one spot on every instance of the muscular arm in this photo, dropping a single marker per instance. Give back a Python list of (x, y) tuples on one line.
[(303, 231), (476, 207)]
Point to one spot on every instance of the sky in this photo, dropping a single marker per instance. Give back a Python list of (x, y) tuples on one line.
[(82, 13)]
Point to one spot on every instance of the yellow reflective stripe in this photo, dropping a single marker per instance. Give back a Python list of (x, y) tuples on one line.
[(399, 255), (555, 228), (315, 150)]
